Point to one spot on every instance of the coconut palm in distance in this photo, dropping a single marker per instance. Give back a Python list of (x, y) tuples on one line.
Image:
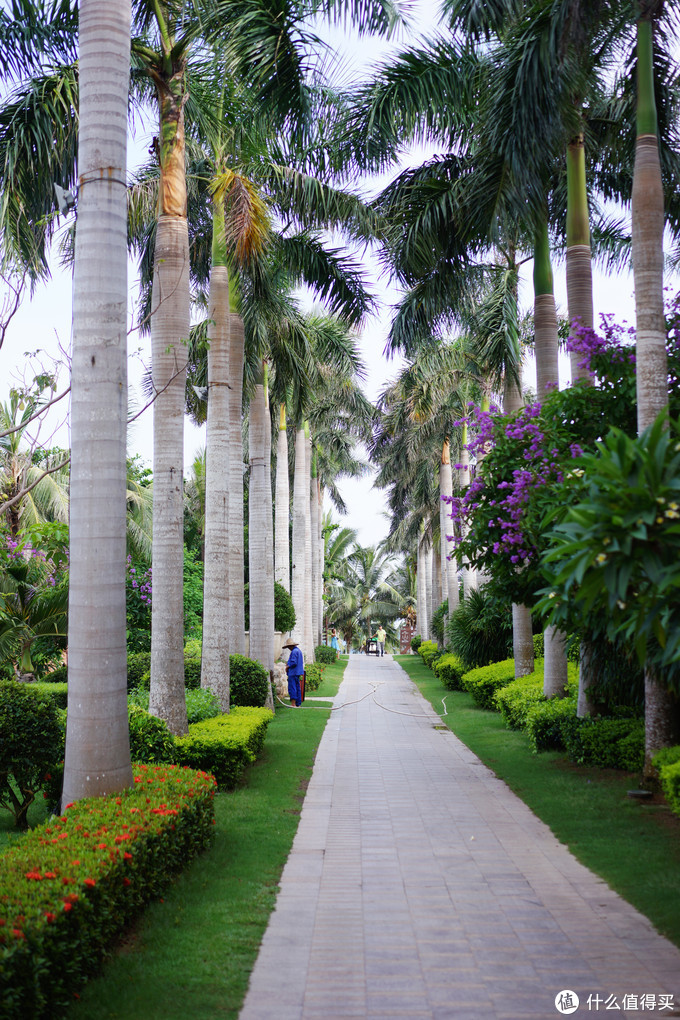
[(97, 759)]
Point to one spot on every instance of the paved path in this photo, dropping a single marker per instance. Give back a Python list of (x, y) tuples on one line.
[(419, 886)]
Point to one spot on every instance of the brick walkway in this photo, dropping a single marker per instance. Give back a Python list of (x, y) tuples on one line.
[(419, 886)]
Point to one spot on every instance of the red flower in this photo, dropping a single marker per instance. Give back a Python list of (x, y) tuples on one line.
[(50, 874), (126, 881), (101, 846), (19, 934), (67, 905), (127, 856), (50, 917), (90, 882)]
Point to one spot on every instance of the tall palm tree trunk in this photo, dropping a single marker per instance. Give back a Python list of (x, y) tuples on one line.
[(448, 548), (522, 637), (662, 714), (428, 587), (169, 326), (314, 552), (97, 757), (308, 645), (547, 377), (258, 532), (299, 564), (237, 635), (282, 506), (579, 263), (269, 514), (215, 651)]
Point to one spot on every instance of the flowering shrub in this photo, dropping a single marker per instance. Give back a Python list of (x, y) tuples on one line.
[(138, 587), (73, 884)]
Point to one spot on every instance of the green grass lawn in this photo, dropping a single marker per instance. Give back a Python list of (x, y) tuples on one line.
[(191, 954), (634, 847)]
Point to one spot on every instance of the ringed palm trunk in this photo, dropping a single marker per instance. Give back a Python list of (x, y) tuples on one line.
[(237, 634), (448, 548), (662, 728), (282, 506), (320, 554), (522, 637), (215, 652), (97, 759), (299, 564), (314, 552), (469, 576), (169, 333), (308, 646), (258, 532), (547, 377), (269, 514), (579, 263), (421, 611)]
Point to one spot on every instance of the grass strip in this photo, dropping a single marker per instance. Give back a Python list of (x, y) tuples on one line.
[(634, 847), (192, 952)]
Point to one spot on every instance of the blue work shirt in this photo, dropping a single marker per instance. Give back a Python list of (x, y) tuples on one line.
[(295, 665)]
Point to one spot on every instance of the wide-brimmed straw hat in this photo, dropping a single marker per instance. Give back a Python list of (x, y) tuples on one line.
[(290, 644)]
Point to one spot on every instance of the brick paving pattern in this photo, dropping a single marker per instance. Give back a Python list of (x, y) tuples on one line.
[(420, 887)]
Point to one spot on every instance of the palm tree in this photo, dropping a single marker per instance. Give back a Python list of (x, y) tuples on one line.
[(97, 757), (365, 594)]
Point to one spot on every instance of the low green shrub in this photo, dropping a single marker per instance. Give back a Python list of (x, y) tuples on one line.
[(150, 739), (480, 629), (248, 682), (483, 682), (326, 654), (314, 675), (449, 669), (427, 651), (666, 756), (73, 884), (517, 698), (284, 610), (192, 673), (539, 646), (58, 675), (667, 762), (31, 744), (138, 664), (416, 642), (606, 743), (225, 745), (545, 721), (57, 693), (193, 649)]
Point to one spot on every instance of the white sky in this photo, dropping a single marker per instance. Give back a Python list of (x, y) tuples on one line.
[(44, 322)]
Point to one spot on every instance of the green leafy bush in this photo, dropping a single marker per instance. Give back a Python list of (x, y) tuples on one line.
[(483, 682), (607, 743), (225, 745), (480, 630), (248, 682), (192, 673), (58, 675), (416, 642), (70, 886), (56, 693), (201, 703), (193, 649), (427, 651), (284, 610), (314, 675), (138, 664), (324, 653), (667, 762), (449, 669), (517, 698), (545, 721), (31, 744), (539, 646), (150, 739)]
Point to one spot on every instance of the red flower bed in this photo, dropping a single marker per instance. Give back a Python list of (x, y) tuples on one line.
[(72, 885)]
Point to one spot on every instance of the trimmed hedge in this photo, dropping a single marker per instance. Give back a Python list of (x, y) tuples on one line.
[(225, 745), (449, 669), (667, 762), (483, 682), (428, 650), (517, 701), (73, 884), (545, 722), (55, 692), (606, 743), (150, 739), (138, 664), (416, 642)]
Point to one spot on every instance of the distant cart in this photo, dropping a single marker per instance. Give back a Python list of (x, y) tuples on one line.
[(372, 647)]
